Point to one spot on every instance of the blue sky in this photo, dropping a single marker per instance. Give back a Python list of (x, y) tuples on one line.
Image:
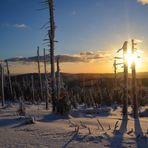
[(82, 25)]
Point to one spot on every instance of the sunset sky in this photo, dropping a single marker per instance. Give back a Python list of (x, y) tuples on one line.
[(90, 30)]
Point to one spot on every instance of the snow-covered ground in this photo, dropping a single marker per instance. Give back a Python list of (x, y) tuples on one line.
[(80, 129)]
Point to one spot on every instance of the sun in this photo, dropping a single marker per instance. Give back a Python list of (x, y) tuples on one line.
[(130, 58)]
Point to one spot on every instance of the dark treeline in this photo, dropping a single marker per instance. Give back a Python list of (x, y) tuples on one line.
[(25, 86), (92, 90)]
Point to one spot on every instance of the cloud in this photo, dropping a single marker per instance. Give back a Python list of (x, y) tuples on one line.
[(88, 53), (74, 12), (63, 59), (143, 2), (87, 56), (138, 41), (20, 26)]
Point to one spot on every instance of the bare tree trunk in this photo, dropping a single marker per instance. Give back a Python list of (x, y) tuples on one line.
[(134, 89), (39, 72), (51, 34), (9, 79), (2, 85), (58, 79), (24, 87), (33, 98), (115, 75), (125, 87), (46, 81), (115, 82)]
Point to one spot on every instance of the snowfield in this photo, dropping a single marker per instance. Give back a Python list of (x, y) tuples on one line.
[(85, 128)]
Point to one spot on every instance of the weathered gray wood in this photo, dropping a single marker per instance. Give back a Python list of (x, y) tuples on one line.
[(2, 85), (46, 81), (58, 78), (125, 85), (39, 72), (9, 79), (100, 124), (115, 74), (134, 87), (51, 35), (32, 84)]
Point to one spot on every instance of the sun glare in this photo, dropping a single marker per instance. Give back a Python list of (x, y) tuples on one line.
[(130, 58)]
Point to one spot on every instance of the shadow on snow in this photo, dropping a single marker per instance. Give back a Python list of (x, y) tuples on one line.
[(141, 141), (116, 141)]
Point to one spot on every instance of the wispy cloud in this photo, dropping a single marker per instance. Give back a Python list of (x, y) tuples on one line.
[(87, 56), (74, 12), (20, 26), (143, 2), (138, 41)]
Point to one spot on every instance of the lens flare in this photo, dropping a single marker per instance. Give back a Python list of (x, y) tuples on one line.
[(130, 58)]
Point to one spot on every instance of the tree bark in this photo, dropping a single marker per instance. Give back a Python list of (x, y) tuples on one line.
[(39, 72), (2, 85), (46, 81), (51, 34), (134, 89), (125, 86), (9, 79)]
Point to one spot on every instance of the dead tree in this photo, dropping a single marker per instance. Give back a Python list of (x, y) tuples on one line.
[(9, 79), (125, 77), (39, 72), (21, 110), (51, 35), (134, 89), (125, 87), (115, 81), (45, 65), (115, 74), (2, 85), (58, 78), (46, 81), (33, 95)]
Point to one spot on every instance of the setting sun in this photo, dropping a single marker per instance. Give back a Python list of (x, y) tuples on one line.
[(130, 58), (74, 73)]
